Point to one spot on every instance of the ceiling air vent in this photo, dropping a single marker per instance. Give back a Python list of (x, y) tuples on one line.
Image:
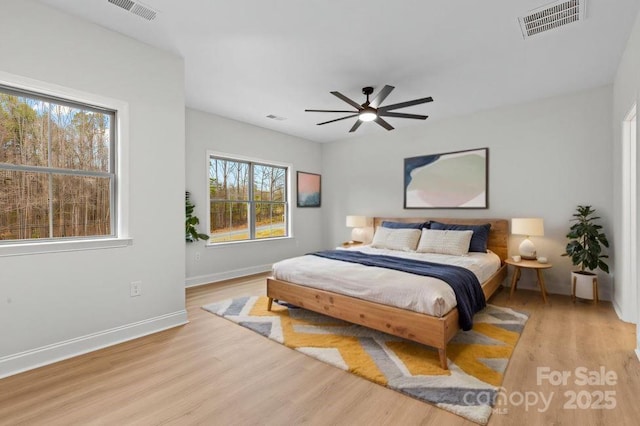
[(552, 16), (136, 8)]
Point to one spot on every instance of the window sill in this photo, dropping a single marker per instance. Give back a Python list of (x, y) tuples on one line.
[(232, 243), (21, 249)]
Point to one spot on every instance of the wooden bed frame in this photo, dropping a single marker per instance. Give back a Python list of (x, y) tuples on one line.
[(421, 328)]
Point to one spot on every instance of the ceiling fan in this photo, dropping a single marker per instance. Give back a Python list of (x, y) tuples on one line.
[(372, 111)]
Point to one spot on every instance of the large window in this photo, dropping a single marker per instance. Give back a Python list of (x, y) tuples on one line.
[(248, 200), (57, 168)]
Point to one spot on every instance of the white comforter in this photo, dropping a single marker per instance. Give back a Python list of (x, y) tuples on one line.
[(417, 293)]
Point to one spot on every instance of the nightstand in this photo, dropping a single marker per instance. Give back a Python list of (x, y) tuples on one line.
[(352, 243), (528, 264)]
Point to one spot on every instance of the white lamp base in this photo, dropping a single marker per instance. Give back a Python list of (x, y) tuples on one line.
[(364, 235), (527, 250), (357, 235)]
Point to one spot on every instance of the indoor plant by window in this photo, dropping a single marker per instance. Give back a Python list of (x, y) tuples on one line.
[(191, 233), (585, 249)]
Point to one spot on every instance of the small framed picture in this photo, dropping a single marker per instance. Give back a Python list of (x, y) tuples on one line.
[(309, 189)]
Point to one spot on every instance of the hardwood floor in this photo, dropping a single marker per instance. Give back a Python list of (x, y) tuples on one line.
[(214, 372)]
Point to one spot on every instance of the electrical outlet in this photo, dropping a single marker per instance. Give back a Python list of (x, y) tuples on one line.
[(136, 288), (197, 256)]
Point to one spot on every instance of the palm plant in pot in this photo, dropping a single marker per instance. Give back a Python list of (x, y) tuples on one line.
[(585, 250)]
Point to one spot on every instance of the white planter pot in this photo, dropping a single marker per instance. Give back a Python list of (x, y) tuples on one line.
[(584, 285)]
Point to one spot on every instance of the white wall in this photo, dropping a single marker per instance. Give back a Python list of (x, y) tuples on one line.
[(208, 132), (545, 158), (626, 92), (59, 304)]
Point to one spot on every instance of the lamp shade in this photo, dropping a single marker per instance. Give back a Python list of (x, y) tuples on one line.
[(356, 221), (529, 226)]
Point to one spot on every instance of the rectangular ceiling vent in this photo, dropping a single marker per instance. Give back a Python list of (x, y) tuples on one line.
[(552, 16), (136, 8)]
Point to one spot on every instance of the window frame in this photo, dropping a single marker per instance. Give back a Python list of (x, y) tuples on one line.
[(50, 170), (119, 166), (251, 161)]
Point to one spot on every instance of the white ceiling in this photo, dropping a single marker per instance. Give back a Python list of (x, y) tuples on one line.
[(246, 59)]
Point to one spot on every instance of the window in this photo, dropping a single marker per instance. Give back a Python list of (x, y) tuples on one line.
[(248, 200), (57, 168)]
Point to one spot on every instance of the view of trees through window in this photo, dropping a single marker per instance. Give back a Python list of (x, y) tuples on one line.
[(247, 200), (56, 169)]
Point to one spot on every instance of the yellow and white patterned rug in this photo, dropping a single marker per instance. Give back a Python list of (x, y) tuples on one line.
[(477, 358)]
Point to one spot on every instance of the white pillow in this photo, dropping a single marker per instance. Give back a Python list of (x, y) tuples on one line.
[(444, 242), (396, 239)]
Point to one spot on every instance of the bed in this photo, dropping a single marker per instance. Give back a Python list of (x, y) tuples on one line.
[(431, 330)]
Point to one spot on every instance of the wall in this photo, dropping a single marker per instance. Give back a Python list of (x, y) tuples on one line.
[(545, 157), (56, 305), (207, 132), (626, 92)]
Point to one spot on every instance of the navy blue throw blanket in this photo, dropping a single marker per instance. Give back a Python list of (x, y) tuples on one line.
[(464, 283)]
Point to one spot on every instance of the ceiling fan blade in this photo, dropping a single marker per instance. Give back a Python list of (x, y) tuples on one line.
[(326, 110), (347, 100), (338, 119), (402, 115), (383, 123), (381, 96), (406, 104), (355, 126)]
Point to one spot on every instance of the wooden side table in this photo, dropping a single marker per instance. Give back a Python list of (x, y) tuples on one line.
[(528, 264), (348, 244)]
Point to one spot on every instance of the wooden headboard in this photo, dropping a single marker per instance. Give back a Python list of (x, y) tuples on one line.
[(498, 235)]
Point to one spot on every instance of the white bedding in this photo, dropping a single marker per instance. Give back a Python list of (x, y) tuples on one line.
[(417, 293)]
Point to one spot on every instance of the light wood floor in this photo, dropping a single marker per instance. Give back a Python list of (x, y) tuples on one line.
[(214, 372)]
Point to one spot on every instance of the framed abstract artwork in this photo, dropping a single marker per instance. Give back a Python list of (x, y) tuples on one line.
[(453, 180), (309, 189)]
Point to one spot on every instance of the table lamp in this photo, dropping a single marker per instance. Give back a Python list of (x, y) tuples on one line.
[(356, 222), (529, 227)]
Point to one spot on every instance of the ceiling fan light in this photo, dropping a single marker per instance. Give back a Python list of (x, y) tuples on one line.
[(367, 116)]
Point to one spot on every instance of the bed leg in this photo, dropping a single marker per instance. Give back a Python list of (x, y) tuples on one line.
[(443, 358), (269, 303)]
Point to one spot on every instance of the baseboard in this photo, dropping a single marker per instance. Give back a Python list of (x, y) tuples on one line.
[(227, 275), (617, 309), (618, 312), (28, 360)]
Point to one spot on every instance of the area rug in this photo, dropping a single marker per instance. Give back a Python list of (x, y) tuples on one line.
[(477, 358)]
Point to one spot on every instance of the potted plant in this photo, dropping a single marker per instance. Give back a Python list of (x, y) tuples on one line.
[(191, 233), (585, 249)]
